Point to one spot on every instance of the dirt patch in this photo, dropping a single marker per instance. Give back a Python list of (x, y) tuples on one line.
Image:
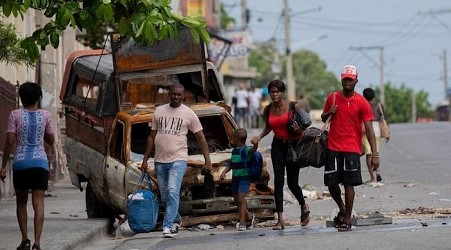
[(420, 212)]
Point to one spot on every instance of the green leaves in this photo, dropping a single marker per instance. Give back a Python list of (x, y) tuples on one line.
[(124, 25), (6, 9), (144, 20), (10, 50), (31, 49), (26, 4), (105, 13), (195, 35), (204, 35), (196, 25)]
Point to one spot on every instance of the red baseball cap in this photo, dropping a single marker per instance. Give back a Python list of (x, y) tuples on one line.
[(349, 71)]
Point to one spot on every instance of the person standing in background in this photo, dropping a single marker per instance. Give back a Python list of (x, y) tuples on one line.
[(255, 96), (28, 128), (305, 104), (242, 105), (369, 95)]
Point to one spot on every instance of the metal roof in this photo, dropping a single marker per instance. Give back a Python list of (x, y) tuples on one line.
[(99, 68)]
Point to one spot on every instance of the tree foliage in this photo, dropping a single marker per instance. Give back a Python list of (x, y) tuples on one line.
[(10, 50), (398, 103), (313, 81), (312, 78), (261, 57), (144, 20), (226, 20)]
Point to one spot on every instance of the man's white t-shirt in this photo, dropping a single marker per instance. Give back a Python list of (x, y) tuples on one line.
[(172, 125), (255, 98), (241, 98)]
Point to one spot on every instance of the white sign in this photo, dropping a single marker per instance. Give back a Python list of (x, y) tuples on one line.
[(240, 47)]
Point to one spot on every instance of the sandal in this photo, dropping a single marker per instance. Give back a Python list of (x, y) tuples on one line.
[(344, 227), (24, 245), (305, 216), (278, 226), (35, 247), (250, 221), (338, 220), (378, 177)]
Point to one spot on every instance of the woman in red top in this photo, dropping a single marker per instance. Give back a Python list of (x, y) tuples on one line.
[(276, 115)]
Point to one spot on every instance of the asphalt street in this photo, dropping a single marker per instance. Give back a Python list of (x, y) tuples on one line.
[(416, 195)]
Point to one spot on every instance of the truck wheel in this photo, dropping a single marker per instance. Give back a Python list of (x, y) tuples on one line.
[(94, 207)]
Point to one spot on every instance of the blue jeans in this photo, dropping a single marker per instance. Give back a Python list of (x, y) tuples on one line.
[(169, 177)]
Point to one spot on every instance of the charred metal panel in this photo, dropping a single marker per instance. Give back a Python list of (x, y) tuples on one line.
[(97, 68), (130, 56), (93, 137), (85, 163), (114, 174)]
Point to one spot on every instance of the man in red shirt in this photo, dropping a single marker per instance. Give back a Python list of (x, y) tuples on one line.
[(347, 110)]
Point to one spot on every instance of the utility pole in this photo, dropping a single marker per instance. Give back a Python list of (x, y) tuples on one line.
[(275, 66), (445, 82), (414, 107), (445, 73), (289, 62), (244, 14), (381, 68)]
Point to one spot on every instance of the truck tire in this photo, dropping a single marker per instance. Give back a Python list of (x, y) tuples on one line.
[(94, 207)]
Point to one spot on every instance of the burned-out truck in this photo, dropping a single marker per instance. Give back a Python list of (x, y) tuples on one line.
[(109, 98)]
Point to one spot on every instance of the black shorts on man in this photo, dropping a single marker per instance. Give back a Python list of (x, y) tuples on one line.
[(342, 167)]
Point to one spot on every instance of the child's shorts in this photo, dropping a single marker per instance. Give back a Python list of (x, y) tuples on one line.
[(240, 184)]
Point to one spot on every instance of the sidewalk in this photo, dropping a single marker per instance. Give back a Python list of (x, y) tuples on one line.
[(66, 225)]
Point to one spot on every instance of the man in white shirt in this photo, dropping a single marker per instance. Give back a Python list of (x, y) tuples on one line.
[(242, 105), (170, 125), (255, 96)]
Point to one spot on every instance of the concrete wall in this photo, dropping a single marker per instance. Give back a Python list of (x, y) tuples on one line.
[(49, 74), (6, 188)]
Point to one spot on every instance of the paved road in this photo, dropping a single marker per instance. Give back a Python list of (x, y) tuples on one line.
[(416, 173), (416, 194)]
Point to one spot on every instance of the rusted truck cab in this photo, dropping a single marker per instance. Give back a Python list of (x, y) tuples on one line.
[(109, 100)]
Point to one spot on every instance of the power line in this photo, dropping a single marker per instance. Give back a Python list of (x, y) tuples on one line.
[(381, 67)]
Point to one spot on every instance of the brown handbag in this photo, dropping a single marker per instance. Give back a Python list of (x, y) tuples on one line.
[(385, 130)]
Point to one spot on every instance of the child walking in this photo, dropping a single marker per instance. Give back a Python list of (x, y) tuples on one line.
[(240, 175)]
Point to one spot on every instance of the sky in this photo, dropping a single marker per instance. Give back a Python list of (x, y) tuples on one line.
[(413, 33)]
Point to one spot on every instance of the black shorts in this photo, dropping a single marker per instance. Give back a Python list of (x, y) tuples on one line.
[(31, 178), (342, 167)]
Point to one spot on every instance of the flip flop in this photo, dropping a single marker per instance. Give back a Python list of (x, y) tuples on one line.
[(338, 220), (344, 227), (378, 177), (24, 245), (278, 226)]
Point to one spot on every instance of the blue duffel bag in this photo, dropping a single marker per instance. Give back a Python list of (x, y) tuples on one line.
[(142, 208)]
